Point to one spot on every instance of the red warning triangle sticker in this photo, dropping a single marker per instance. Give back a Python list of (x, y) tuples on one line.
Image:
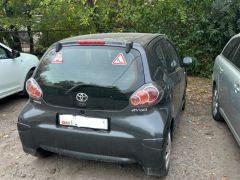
[(58, 59), (119, 60)]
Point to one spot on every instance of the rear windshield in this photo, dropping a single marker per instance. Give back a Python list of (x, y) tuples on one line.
[(91, 65)]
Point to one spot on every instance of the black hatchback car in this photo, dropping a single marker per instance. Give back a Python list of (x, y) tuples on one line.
[(112, 97)]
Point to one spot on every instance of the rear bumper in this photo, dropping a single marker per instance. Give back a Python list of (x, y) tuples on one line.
[(133, 139)]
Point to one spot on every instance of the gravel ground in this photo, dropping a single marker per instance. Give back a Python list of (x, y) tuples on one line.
[(202, 148)]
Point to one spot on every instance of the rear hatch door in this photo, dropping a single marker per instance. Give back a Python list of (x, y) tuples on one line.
[(90, 77)]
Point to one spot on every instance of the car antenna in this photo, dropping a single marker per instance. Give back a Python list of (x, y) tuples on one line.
[(128, 47), (58, 47)]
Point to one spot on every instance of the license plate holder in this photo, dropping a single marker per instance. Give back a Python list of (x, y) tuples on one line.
[(83, 122)]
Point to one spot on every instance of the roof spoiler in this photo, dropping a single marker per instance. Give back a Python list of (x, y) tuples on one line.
[(58, 47), (129, 46)]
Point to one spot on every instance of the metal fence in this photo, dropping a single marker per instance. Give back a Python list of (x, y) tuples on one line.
[(34, 42)]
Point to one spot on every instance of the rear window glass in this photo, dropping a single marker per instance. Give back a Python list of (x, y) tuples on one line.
[(91, 65)]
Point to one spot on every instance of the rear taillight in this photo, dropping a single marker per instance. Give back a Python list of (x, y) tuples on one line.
[(92, 42), (145, 96), (33, 89)]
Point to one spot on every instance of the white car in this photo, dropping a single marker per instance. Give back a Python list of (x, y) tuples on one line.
[(15, 69)]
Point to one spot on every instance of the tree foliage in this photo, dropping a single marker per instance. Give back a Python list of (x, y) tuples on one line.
[(198, 28)]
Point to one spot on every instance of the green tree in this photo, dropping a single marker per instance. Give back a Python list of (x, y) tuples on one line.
[(198, 28), (17, 15), (225, 22)]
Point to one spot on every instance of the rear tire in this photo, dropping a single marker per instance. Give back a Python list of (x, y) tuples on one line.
[(29, 75), (166, 155), (215, 105), (184, 102), (41, 153)]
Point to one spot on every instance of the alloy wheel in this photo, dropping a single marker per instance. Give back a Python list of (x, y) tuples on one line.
[(215, 103), (168, 150)]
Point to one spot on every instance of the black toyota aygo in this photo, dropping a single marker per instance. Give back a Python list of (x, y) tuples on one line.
[(112, 97)]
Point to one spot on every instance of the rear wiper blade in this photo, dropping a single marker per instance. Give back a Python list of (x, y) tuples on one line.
[(74, 87), (77, 86)]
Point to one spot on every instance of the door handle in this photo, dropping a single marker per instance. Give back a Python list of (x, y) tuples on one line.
[(220, 70), (236, 88)]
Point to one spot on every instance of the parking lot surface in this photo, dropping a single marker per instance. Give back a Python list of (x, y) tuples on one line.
[(202, 148)]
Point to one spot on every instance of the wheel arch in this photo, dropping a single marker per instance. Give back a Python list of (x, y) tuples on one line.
[(31, 69), (172, 127), (214, 84)]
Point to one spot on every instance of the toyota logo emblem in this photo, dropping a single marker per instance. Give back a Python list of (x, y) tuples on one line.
[(81, 97)]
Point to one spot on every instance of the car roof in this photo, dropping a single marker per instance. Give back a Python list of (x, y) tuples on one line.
[(141, 38)]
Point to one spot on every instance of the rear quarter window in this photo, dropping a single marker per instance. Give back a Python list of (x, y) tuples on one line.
[(236, 59), (171, 56), (230, 49)]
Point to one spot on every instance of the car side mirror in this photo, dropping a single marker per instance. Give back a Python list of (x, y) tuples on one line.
[(15, 54), (187, 61)]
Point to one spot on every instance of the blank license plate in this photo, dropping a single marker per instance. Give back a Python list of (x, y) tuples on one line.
[(85, 122)]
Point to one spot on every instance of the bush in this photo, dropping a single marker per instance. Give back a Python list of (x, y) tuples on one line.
[(199, 29)]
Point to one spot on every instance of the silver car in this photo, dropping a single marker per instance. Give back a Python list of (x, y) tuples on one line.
[(226, 86)]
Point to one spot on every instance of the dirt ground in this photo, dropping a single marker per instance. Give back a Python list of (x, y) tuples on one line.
[(202, 148)]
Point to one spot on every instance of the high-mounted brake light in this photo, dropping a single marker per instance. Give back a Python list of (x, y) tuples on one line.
[(145, 96), (33, 89), (92, 42)]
